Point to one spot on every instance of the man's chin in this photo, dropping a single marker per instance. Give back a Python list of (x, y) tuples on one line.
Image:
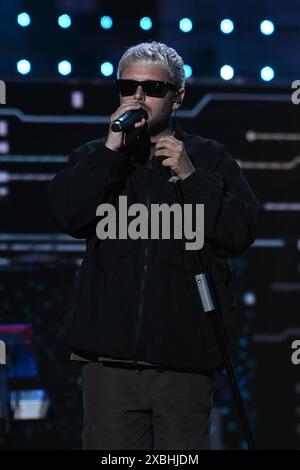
[(154, 128)]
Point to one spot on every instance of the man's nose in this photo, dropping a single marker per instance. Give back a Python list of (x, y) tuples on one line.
[(139, 93)]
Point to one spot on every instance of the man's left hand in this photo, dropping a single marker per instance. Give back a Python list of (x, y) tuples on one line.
[(177, 158)]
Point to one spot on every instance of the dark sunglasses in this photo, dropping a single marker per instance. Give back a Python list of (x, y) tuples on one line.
[(150, 87)]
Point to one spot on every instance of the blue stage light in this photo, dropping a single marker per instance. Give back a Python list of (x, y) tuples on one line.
[(23, 19), (64, 67), (185, 25), (23, 66), (226, 72), (267, 27), (226, 26), (249, 298), (267, 73), (107, 69), (106, 22), (146, 23), (188, 71), (64, 21)]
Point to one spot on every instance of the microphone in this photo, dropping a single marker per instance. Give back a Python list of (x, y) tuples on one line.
[(127, 119)]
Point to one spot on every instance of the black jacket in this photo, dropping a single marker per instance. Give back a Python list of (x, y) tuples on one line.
[(137, 299)]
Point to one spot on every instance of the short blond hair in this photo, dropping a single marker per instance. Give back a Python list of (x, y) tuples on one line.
[(155, 53)]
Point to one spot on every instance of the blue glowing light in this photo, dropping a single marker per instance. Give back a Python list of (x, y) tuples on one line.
[(186, 25), (226, 72), (64, 67), (226, 26), (23, 19), (188, 71), (23, 66), (267, 73), (106, 22), (107, 69), (267, 27), (146, 23), (64, 21)]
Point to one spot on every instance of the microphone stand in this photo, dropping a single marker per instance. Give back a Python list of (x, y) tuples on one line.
[(210, 305)]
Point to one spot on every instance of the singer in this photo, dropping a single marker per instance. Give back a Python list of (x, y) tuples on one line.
[(148, 351)]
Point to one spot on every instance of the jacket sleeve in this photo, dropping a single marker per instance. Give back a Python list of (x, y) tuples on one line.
[(93, 174), (231, 209)]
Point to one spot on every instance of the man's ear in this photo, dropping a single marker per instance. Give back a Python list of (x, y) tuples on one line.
[(178, 99)]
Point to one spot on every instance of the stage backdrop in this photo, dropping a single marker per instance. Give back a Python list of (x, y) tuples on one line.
[(40, 125)]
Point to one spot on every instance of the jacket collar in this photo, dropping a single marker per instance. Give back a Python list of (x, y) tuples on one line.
[(138, 149), (138, 154)]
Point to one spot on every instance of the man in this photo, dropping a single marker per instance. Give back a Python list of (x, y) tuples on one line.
[(136, 319)]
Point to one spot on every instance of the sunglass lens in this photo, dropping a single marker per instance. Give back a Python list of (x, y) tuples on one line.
[(154, 88), (126, 87), (151, 87)]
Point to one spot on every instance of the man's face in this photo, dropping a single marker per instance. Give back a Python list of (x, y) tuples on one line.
[(159, 109)]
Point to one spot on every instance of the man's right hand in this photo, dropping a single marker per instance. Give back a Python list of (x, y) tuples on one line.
[(116, 140)]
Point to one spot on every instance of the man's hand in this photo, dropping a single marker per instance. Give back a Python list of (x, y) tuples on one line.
[(177, 158), (117, 140)]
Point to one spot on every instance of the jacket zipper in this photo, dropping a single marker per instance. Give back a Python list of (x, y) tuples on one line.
[(145, 268)]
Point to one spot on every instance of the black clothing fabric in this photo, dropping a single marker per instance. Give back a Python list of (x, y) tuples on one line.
[(147, 409), (138, 299)]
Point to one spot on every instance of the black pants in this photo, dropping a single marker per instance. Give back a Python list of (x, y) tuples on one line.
[(127, 409)]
